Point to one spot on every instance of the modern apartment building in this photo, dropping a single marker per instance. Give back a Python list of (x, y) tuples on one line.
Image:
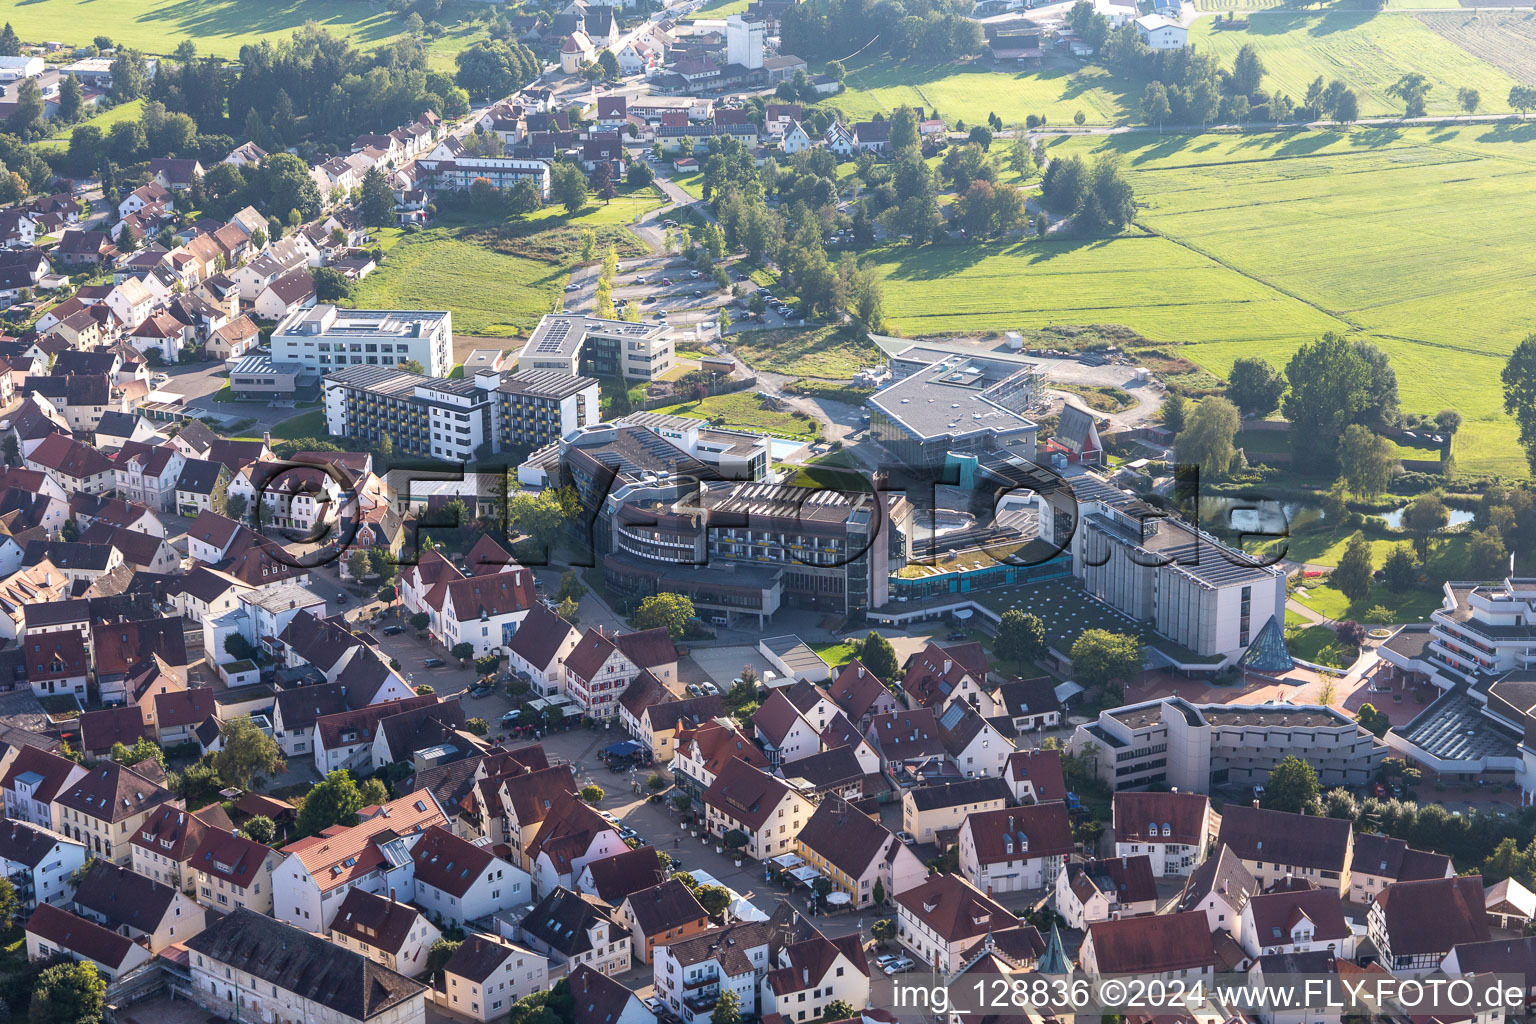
[(574, 344), (1210, 600), (326, 338), (1194, 747), (451, 419)]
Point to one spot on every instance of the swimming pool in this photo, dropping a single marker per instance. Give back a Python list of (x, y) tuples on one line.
[(779, 448)]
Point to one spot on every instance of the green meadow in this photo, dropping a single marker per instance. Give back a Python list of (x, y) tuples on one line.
[(970, 90), (221, 27), (1368, 52), (1253, 244)]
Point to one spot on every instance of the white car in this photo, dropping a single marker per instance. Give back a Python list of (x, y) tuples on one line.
[(885, 961), (901, 966)]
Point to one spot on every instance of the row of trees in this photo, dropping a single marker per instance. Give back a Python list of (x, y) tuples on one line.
[(932, 29), (1097, 196)]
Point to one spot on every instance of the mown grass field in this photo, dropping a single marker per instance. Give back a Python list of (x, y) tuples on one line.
[(719, 9), (1505, 39), (130, 111), (1415, 238), (970, 90), (746, 411), (489, 292), (1368, 52), (823, 352), (221, 27), (1409, 606)]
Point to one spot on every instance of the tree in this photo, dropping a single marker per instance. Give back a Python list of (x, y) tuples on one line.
[(1350, 633), (1020, 636), (493, 68), (1522, 98), (592, 794), (463, 650), (127, 73), (373, 791), (1519, 379), (609, 65), (1103, 658), (838, 1009), (285, 181), (568, 186), (70, 993), (1347, 108), (335, 800), (441, 952), (247, 754), (1424, 517), (28, 112), (143, 749), (1173, 412), (1373, 721), (125, 141), (1366, 460), (1021, 158), (10, 42), (727, 1008), (1207, 438), (1487, 557), (668, 611), (1352, 576), (1411, 89), (1468, 99), (1255, 386), (1292, 786), (878, 892), (715, 899), (1399, 570), (10, 904), (1247, 70), (883, 930), (903, 131), (260, 828), (876, 654), (377, 205), (1330, 384), (1154, 104)]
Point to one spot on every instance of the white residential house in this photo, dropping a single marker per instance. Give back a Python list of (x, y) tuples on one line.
[(1015, 848), (457, 881), (1174, 829), (39, 862), (1162, 33), (386, 931), (487, 974)]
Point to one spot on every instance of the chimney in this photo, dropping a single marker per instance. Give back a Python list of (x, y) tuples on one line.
[(947, 663), (266, 438), (1255, 804)]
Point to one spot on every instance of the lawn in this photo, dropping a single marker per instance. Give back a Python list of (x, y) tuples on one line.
[(1367, 51), (744, 410), (825, 352), (1152, 285), (221, 27), (719, 9), (305, 424), (1322, 547), (489, 292), (1411, 606), (1320, 645), (970, 90), (1245, 258), (836, 654), (130, 111), (693, 184), (622, 209)]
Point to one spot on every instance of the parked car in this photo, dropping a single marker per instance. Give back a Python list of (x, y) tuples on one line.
[(885, 961), (958, 634), (511, 716), (906, 837), (434, 663), (393, 630), (482, 690), (573, 286), (694, 690), (901, 966)]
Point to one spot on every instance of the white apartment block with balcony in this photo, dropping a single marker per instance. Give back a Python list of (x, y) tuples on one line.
[(1195, 747), (326, 338)]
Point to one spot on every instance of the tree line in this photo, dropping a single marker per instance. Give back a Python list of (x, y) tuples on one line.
[(932, 29)]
